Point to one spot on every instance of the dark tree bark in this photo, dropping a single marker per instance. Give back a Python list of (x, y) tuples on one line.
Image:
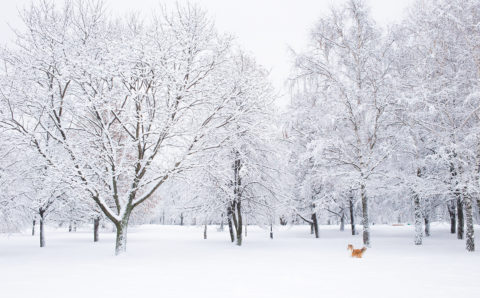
[(315, 224), (460, 218), (230, 225), (205, 231), (271, 231), (458, 196), (365, 220), (74, 226), (122, 226), (121, 237), (33, 228), (96, 224), (427, 226), (237, 191), (181, 219), (352, 217), (42, 228), (70, 227), (234, 217), (283, 221), (478, 206), (342, 220), (470, 243), (453, 220), (240, 224)]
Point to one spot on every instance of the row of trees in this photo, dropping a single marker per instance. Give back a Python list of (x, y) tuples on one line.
[(390, 115), (129, 119)]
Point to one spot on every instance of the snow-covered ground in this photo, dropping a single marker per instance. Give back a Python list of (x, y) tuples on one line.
[(174, 261)]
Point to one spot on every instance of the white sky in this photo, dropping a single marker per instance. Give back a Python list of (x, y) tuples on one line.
[(264, 28)]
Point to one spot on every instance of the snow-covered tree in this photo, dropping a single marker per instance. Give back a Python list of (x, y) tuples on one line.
[(127, 104), (443, 54), (348, 68), (241, 178), (14, 212)]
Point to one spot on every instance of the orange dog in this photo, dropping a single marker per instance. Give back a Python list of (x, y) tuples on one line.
[(356, 253)]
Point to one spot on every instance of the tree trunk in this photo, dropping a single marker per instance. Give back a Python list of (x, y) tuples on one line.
[(427, 226), (453, 221), (315, 224), (246, 224), (234, 218), (181, 219), (453, 225), (311, 229), (42, 230), (352, 218), (470, 243), (96, 224), (240, 224), (69, 226), (33, 228), (418, 220), (221, 224), (230, 225), (271, 231), (366, 224), (121, 239), (454, 182), (478, 206), (205, 231), (237, 220), (461, 221), (342, 221)]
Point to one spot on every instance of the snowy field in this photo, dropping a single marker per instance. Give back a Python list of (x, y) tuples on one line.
[(174, 261)]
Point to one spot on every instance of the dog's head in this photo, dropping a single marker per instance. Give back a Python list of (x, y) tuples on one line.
[(350, 247)]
